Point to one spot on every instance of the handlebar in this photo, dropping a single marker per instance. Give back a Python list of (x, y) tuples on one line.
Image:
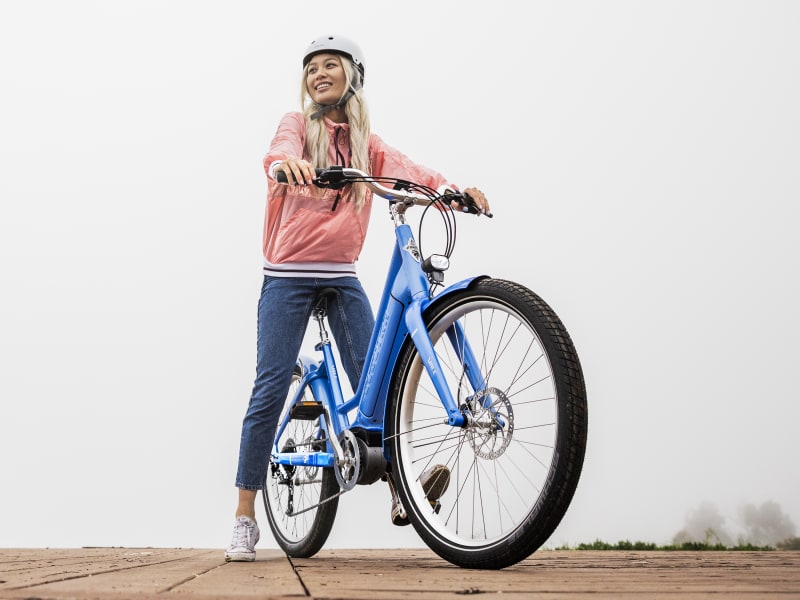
[(338, 177)]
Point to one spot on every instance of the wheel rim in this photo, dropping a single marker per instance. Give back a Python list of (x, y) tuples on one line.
[(497, 469), (294, 489)]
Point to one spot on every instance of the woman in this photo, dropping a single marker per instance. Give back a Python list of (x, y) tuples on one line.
[(312, 238)]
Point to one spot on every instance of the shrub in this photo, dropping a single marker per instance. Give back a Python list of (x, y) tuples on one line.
[(790, 544)]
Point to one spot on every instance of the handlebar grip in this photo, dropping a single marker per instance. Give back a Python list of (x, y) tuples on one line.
[(281, 177), (469, 206), (476, 212)]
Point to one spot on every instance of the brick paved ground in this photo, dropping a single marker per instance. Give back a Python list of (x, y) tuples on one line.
[(106, 573)]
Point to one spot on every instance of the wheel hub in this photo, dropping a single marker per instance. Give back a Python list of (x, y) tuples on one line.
[(492, 423)]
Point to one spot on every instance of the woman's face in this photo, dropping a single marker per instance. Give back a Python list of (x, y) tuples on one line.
[(325, 79)]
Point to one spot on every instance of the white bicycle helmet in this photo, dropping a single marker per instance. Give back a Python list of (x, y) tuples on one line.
[(339, 45)]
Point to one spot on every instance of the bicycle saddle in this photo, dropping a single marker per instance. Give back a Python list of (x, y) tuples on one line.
[(321, 300)]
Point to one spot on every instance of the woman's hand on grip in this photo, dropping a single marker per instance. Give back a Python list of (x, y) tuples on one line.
[(475, 200), (297, 171)]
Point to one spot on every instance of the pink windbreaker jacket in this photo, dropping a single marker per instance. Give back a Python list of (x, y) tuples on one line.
[(303, 237)]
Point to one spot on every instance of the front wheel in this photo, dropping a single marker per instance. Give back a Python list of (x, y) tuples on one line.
[(292, 494), (489, 494)]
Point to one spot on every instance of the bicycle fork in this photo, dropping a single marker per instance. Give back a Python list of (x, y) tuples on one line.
[(458, 415)]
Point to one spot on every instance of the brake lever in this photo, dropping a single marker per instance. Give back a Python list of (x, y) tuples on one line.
[(332, 178), (467, 204)]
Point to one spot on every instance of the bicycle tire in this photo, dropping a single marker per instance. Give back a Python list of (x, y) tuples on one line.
[(302, 534), (514, 470)]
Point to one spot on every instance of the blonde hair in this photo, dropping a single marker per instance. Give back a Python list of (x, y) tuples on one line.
[(318, 139)]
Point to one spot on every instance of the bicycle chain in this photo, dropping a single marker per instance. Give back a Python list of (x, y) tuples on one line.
[(320, 503)]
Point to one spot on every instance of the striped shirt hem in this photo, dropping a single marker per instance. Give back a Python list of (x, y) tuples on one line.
[(320, 269)]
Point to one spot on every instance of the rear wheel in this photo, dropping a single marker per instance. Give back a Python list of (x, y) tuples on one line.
[(291, 493), (513, 469)]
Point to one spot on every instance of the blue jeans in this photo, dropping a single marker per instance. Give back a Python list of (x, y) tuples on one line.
[(284, 310)]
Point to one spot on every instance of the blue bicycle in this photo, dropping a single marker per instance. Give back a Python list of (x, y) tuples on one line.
[(480, 380)]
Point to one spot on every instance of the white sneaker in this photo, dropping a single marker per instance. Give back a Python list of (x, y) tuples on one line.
[(245, 538)]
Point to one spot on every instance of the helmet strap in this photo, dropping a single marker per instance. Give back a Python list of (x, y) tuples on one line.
[(325, 108)]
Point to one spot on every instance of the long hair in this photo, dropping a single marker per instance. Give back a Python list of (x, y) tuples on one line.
[(317, 138)]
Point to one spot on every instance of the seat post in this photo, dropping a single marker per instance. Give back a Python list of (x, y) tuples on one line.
[(320, 312), (319, 316)]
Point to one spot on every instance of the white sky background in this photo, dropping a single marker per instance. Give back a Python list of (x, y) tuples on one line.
[(642, 162)]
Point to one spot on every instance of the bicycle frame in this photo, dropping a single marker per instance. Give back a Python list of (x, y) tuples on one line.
[(406, 295)]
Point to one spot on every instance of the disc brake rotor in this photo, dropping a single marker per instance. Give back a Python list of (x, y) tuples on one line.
[(492, 426)]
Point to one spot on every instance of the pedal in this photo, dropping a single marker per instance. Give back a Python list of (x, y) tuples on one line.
[(307, 410)]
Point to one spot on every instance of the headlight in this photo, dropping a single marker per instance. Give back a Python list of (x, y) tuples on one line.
[(436, 262)]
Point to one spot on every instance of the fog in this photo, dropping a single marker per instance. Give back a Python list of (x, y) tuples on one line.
[(642, 164), (762, 525)]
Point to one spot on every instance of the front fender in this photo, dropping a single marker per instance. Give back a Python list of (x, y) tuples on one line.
[(458, 286)]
